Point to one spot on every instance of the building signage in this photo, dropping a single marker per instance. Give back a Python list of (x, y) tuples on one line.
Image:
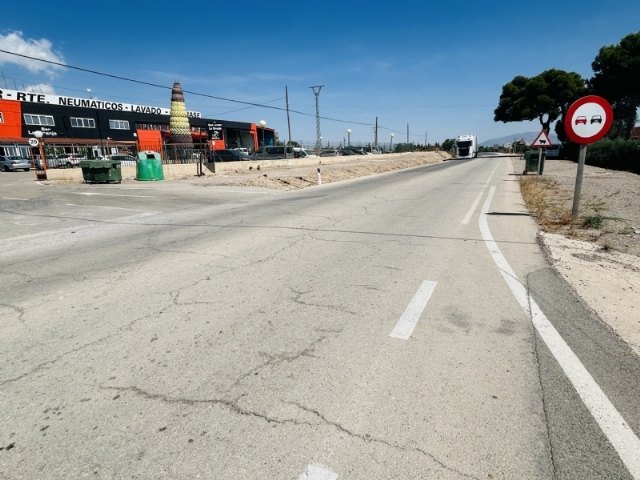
[(45, 98), (215, 130)]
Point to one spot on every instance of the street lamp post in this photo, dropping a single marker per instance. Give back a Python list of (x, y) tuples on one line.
[(263, 124), (349, 137), (43, 161), (391, 144)]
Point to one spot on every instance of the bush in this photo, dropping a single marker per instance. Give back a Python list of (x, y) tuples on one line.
[(616, 154)]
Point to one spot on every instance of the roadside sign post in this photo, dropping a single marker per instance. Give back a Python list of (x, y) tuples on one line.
[(541, 141), (587, 121), (582, 156)]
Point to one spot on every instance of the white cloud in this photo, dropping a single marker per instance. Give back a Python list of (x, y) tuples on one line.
[(40, 88), (43, 49)]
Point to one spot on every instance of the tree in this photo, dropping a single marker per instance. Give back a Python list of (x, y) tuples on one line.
[(545, 97), (617, 74), (448, 144)]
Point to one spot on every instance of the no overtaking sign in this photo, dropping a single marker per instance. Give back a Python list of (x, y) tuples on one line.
[(587, 121)]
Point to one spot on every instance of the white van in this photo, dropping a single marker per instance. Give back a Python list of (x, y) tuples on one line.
[(553, 152)]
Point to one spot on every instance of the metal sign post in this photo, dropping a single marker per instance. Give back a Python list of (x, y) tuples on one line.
[(576, 193)]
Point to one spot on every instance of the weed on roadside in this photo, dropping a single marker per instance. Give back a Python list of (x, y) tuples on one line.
[(546, 201)]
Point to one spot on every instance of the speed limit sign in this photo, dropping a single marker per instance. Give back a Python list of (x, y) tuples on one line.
[(34, 142)]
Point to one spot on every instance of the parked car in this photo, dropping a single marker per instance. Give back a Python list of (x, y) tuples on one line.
[(230, 155), (125, 160), (241, 149), (68, 160), (353, 151), (330, 153), (10, 163), (276, 152)]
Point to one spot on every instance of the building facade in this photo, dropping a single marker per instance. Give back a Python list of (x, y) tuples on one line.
[(101, 126)]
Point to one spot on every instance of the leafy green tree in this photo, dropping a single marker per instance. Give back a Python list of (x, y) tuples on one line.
[(617, 78), (448, 144), (545, 97)]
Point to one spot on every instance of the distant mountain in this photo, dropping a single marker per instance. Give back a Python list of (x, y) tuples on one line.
[(528, 137)]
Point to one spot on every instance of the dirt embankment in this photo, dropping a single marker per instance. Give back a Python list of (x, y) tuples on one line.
[(331, 170)]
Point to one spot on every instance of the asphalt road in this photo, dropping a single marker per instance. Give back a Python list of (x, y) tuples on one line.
[(372, 329)]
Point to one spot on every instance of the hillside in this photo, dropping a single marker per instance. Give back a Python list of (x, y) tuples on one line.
[(528, 137)]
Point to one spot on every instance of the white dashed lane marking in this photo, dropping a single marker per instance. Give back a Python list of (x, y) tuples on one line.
[(409, 319)]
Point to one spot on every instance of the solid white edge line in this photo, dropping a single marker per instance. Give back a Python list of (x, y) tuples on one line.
[(467, 217), (317, 472), (620, 435), (409, 319)]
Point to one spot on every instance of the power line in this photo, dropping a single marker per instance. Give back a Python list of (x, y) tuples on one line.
[(155, 85)]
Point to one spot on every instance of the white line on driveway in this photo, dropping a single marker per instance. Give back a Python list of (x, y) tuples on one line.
[(409, 319), (620, 435), (112, 208), (317, 472), (111, 194)]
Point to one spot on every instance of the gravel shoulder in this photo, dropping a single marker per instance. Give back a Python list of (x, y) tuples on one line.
[(598, 254)]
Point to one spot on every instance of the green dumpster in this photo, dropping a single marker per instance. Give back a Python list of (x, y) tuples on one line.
[(531, 162), (101, 171), (149, 166)]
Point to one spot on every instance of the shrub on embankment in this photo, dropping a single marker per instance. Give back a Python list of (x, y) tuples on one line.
[(618, 154)]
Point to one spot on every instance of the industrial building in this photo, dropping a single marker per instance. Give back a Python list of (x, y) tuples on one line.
[(95, 128)]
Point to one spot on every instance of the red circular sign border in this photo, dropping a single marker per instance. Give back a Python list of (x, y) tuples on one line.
[(568, 127)]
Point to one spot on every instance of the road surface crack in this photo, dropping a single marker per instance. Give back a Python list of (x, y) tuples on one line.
[(19, 311), (193, 402), (297, 298), (370, 439)]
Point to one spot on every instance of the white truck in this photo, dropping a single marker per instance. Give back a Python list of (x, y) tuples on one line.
[(467, 146)]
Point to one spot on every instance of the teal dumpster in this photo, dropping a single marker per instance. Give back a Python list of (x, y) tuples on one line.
[(531, 162), (101, 171), (149, 166)]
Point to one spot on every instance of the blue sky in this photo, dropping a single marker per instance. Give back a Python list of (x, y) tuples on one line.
[(437, 67)]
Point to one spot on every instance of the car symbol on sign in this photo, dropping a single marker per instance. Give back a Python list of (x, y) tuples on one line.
[(581, 120), (596, 119)]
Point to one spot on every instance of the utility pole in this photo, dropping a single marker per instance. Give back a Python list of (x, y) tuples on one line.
[(286, 94), (316, 91), (375, 138)]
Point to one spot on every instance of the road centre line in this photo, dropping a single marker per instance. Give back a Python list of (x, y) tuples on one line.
[(409, 319), (317, 472), (612, 424), (467, 217)]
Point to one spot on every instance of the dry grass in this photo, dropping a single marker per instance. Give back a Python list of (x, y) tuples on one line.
[(547, 201)]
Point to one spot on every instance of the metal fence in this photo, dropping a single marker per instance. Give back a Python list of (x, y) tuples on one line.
[(61, 154)]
